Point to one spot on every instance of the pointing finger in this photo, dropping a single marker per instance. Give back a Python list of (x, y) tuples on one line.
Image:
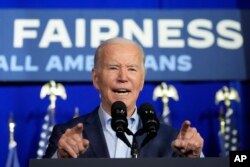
[(78, 129), (185, 126)]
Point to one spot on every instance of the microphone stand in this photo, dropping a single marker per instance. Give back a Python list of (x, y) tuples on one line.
[(134, 145), (134, 148)]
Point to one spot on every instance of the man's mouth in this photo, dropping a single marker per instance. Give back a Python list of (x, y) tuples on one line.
[(121, 92)]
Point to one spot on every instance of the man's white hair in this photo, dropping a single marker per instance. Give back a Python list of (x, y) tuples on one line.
[(115, 40)]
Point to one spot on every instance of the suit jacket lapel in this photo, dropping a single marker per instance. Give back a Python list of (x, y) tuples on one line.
[(140, 140), (93, 131)]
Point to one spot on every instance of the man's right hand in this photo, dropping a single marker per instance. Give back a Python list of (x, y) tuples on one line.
[(72, 143)]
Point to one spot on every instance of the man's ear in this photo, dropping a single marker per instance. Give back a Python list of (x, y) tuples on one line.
[(95, 78)]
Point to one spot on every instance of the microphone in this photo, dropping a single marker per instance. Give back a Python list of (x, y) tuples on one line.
[(119, 122), (150, 121)]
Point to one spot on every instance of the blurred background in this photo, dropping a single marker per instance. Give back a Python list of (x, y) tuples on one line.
[(197, 57)]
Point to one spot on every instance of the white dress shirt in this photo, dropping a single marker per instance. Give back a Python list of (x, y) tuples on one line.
[(116, 147)]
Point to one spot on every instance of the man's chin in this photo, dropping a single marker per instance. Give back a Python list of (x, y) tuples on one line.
[(121, 98)]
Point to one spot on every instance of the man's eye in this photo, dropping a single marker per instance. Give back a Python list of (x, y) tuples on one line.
[(113, 68), (132, 69)]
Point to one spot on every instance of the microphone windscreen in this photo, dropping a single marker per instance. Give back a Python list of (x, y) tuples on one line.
[(119, 122), (145, 107), (120, 107), (148, 116)]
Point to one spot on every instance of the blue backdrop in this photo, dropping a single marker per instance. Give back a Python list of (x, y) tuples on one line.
[(196, 102)]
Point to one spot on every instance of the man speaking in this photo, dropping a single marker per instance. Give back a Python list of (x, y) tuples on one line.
[(118, 75)]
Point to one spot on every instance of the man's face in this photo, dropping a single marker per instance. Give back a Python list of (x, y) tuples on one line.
[(119, 75)]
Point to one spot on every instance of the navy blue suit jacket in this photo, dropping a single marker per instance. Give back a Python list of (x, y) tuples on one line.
[(160, 146)]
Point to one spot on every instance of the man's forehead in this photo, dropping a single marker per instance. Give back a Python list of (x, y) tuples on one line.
[(121, 45), (122, 49)]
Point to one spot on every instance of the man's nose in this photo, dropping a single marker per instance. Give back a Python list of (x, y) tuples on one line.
[(123, 75)]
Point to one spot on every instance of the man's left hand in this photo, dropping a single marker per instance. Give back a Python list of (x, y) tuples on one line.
[(189, 142)]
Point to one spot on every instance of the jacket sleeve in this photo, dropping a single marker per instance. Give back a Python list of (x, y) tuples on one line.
[(57, 132)]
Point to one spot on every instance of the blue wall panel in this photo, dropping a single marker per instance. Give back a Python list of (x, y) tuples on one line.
[(196, 98)]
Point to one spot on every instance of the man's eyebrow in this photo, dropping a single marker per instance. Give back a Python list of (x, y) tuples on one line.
[(117, 65), (133, 65), (112, 64)]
